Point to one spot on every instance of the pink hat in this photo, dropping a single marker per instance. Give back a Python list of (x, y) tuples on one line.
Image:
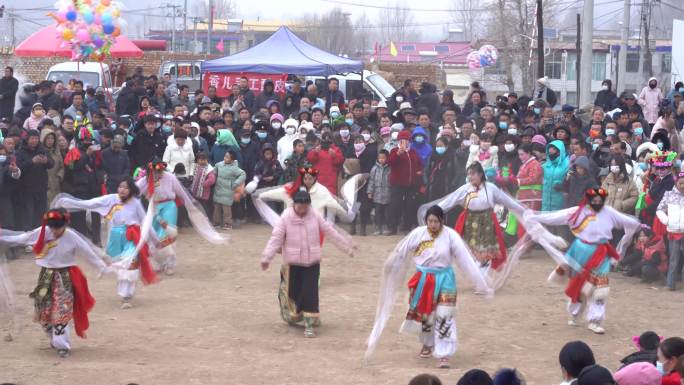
[(539, 139), (639, 373), (385, 131), (277, 117), (405, 135)]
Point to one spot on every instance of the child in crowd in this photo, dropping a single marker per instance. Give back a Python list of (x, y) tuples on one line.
[(485, 154), (229, 179), (295, 161), (379, 192), (647, 349), (203, 181), (186, 181), (268, 170), (647, 257)]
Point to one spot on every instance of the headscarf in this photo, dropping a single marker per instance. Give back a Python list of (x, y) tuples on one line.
[(424, 150), (226, 138)]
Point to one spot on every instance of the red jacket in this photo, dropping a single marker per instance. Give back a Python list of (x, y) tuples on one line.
[(327, 166), (406, 170), (671, 379)]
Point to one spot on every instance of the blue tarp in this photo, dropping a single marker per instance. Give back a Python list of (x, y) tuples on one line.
[(283, 53)]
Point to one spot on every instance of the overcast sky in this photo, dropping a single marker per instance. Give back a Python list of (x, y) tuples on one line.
[(604, 14)]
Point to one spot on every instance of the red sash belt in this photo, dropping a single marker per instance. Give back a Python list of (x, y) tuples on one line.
[(574, 288), (83, 301), (147, 274)]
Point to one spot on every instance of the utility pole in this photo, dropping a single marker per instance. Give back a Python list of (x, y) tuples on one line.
[(578, 61), (210, 26), (185, 26), (12, 19), (194, 46), (648, 63), (173, 27), (587, 38), (622, 57), (540, 40)]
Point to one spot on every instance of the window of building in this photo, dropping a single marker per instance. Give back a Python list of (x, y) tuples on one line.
[(552, 65), (408, 48), (442, 48), (666, 62), (571, 98), (632, 62), (598, 66), (571, 67)]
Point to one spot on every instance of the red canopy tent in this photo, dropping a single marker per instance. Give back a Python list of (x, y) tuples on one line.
[(46, 43)]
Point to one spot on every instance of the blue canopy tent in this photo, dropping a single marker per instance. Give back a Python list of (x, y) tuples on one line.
[(283, 53)]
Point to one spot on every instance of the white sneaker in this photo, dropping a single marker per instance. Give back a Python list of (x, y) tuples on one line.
[(126, 305), (596, 328), (573, 322)]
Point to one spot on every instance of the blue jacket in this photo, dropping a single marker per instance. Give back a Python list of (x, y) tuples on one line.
[(554, 173)]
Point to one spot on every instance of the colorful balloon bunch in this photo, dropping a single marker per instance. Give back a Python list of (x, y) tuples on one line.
[(484, 57), (88, 27)]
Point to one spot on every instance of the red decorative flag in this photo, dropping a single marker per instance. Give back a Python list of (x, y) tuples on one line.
[(219, 46)]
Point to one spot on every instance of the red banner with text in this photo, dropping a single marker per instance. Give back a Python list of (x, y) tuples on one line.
[(224, 81)]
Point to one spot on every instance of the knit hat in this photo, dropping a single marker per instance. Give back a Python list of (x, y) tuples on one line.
[(405, 106), (540, 139), (582, 161), (404, 135), (385, 131), (334, 109), (36, 105), (638, 373), (277, 117), (290, 123), (475, 377), (595, 375)]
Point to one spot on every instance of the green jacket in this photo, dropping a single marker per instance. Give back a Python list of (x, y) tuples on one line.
[(228, 178)]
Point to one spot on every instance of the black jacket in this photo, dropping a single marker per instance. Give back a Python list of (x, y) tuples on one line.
[(8, 91), (116, 166), (606, 100), (264, 98), (34, 177), (250, 157), (51, 100), (145, 147), (429, 100), (81, 175), (7, 184)]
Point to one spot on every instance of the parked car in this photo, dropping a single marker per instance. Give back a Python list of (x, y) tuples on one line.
[(352, 85), (183, 72), (92, 74)]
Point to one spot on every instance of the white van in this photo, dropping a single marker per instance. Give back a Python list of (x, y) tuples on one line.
[(90, 73), (351, 84)]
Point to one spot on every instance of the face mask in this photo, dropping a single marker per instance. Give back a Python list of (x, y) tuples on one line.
[(509, 147), (344, 133), (158, 125), (553, 156), (512, 131), (366, 137), (262, 135), (537, 111), (652, 85), (276, 125), (597, 207), (419, 139), (289, 130), (660, 367), (604, 87), (113, 126), (349, 121), (660, 145), (639, 131), (467, 142), (615, 169), (643, 166), (440, 150), (166, 129), (503, 125), (334, 114), (395, 135), (399, 98), (359, 147), (246, 140), (3, 158), (678, 163), (594, 146), (610, 131)]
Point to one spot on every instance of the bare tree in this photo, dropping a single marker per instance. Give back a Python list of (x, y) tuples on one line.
[(223, 9), (466, 15), (331, 31), (395, 23), (363, 34)]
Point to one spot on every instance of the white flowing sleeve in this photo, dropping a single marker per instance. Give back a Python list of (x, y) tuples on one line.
[(456, 198), (101, 205), (394, 271), (466, 263), (628, 223), (501, 197), (553, 218), (259, 198), (198, 218), (11, 238), (87, 250)]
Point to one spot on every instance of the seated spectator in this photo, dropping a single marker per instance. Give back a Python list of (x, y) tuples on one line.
[(669, 353), (425, 379), (574, 357), (638, 373)]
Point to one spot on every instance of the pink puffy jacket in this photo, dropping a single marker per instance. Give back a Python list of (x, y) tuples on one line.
[(299, 238)]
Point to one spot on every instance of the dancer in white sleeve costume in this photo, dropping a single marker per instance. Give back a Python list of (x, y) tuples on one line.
[(432, 303), (591, 255)]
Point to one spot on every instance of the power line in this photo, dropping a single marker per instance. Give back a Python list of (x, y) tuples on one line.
[(672, 6), (362, 5)]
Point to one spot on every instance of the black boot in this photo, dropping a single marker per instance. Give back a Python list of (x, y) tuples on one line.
[(352, 229), (363, 230)]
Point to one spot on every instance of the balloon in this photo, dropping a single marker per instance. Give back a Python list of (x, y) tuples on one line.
[(97, 42), (108, 29), (71, 15), (473, 60), (67, 34), (106, 18), (88, 17), (106, 3), (116, 12), (488, 55), (82, 35)]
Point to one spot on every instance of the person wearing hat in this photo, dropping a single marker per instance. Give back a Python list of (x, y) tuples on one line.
[(639, 373), (36, 118), (591, 255), (606, 98), (61, 295), (650, 99), (300, 272), (267, 94), (147, 143), (285, 145), (544, 92)]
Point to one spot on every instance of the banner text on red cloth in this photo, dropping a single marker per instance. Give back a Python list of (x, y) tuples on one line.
[(224, 81)]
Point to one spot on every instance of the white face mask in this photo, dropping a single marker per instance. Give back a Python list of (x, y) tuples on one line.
[(395, 135), (509, 147), (344, 133), (289, 130), (276, 125), (615, 169), (366, 137), (604, 87), (610, 131), (512, 131)]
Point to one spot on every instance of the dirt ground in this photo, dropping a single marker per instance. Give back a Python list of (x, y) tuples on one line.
[(217, 322)]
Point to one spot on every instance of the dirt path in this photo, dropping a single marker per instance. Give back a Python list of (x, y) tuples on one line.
[(217, 322)]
